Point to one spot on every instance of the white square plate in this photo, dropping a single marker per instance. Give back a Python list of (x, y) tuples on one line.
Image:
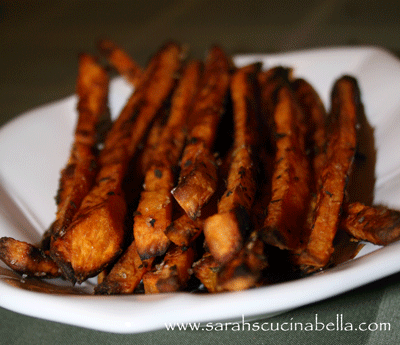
[(35, 146)]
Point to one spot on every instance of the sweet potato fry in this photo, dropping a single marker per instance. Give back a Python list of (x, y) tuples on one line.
[(172, 274), (226, 230), (184, 230), (154, 212), (198, 176), (96, 235), (152, 141), (121, 61), (79, 174), (27, 259), (270, 82), (315, 118), (125, 275), (287, 210), (206, 270), (346, 105), (378, 225)]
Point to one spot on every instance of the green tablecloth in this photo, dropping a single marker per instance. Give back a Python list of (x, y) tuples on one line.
[(39, 43)]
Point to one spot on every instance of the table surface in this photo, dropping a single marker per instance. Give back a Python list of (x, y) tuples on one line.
[(39, 43)]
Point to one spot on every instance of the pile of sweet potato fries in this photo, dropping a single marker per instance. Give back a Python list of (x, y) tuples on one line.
[(211, 177)]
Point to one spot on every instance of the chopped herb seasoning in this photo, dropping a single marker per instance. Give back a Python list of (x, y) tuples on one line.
[(157, 173)]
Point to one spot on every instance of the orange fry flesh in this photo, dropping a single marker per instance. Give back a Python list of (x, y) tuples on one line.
[(172, 274), (346, 106), (225, 231), (98, 227), (26, 259), (198, 176), (154, 212), (121, 61)]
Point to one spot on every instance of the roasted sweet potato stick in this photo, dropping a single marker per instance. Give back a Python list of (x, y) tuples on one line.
[(125, 275), (226, 230), (152, 141), (121, 61), (378, 225), (95, 237), (172, 274), (154, 212), (270, 82), (27, 259), (198, 176), (287, 210), (206, 270), (184, 230), (78, 177), (346, 106), (315, 119)]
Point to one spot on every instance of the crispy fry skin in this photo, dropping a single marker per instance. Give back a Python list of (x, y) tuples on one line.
[(154, 212), (95, 237), (172, 274), (27, 259), (206, 270), (121, 61), (346, 105), (125, 275), (79, 174), (184, 230), (378, 225), (225, 231), (284, 224), (198, 176)]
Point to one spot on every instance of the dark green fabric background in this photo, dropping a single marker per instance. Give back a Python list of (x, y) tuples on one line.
[(39, 43)]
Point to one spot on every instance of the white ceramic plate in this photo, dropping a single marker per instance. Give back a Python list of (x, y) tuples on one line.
[(35, 146)]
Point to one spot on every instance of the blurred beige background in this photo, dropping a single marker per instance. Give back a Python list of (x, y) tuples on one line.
[(40, 40)]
